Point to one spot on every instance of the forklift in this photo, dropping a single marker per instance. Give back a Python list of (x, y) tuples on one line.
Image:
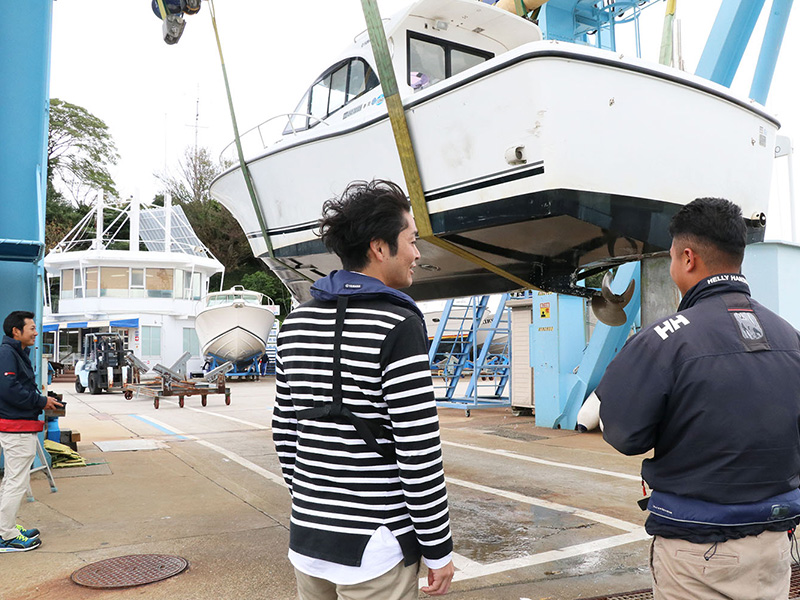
[(104, 365)]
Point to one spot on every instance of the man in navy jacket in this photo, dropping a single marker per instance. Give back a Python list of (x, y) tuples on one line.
[(20, 406), (715, 391)]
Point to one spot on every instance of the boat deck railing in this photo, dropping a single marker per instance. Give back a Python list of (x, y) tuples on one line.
[(254, 140)]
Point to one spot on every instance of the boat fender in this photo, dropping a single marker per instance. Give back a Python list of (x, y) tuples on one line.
[(589, 414)]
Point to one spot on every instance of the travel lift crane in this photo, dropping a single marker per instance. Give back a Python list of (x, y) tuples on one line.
[(560, 388)]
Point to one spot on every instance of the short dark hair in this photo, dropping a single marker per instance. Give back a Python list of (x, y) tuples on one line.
[(16, 319), (716, 225), (366, 211)]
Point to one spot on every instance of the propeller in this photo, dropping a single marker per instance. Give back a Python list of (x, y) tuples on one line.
[(609, 307)]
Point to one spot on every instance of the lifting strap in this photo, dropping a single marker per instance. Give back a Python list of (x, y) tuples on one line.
[(248, 180), (367, 429), (397, 118)]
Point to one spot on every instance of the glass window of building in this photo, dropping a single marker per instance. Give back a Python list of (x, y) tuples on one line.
[(196, 286), (91, 282), (67, 282), (158, 283), (151, 341), (190, 342), (178, 291), (137, 283), (78, 287), (113, 282)]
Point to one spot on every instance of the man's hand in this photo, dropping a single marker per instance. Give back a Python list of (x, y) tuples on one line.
[(52, 403), (439, 580)]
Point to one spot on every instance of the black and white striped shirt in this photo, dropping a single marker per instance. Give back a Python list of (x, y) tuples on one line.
[(341, 490)]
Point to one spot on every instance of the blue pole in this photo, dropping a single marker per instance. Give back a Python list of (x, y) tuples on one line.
[(728, 39), (770, 48), (25, 33)]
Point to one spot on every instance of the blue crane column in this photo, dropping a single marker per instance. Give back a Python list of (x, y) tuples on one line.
[(25, 29)]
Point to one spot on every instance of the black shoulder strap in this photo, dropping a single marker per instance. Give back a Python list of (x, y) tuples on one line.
[(367, 430), (751, 332)]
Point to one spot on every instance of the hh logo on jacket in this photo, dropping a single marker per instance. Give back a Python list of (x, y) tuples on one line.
[(671, 326)]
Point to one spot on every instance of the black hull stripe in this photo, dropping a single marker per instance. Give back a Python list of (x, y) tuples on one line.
[(484, 184), (471, 185)]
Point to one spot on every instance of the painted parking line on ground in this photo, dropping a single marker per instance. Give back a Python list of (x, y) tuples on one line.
[(221, 416), (247, 464), (163, 427), (541, 461), (469, 569)]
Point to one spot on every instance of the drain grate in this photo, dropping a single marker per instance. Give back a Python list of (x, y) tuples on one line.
[(129, 571), (794, 590)]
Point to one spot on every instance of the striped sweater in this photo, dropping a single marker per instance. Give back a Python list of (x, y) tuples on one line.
[(341, 490)]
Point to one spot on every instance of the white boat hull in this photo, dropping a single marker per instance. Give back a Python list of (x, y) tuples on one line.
[(234, 332), (612, 148)]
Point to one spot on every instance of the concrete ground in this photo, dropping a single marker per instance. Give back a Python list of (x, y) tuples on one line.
[(537, 514)]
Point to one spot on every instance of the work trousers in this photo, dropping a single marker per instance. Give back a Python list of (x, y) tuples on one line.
[(750, 568), (19, 450), (400, 583)]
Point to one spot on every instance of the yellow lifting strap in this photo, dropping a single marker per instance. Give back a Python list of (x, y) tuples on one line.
[(162, 10), (251, 190), (397, 117)]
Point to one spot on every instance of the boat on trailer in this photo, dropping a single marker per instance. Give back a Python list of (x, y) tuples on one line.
[(550, 160), (234, 325)]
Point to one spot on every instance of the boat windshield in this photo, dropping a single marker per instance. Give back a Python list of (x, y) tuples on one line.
[(337, 87), (222, 299)]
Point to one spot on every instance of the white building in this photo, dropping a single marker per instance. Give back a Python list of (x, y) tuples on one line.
[(145, 285)]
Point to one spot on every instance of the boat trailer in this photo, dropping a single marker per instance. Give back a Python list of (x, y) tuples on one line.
[(172, 382)]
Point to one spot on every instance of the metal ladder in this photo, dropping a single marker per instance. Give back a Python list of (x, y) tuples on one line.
[(455, 353)]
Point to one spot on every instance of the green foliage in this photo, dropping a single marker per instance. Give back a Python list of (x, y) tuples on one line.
[(217, 228), (79, 151), (212, 222), (269, 285)]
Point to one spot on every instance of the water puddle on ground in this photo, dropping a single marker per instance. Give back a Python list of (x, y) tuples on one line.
[(489, 529)]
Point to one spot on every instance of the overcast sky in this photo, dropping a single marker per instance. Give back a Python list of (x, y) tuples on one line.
[(109, 57)]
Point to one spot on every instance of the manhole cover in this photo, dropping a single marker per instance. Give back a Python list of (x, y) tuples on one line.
[(129, 571), (794, 590)]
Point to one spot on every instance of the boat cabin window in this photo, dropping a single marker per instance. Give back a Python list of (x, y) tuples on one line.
[(339, 85), (431, 60)]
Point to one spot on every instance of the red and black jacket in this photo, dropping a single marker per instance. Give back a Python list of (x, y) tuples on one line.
[(20, 400)]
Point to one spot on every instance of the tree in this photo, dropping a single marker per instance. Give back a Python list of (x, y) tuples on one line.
[(79, 151), (212, 222), (217, 228), (269, 285)]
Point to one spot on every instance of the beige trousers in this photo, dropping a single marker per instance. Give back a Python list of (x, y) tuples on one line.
[(19, 450), (400, 583), (751, 568)]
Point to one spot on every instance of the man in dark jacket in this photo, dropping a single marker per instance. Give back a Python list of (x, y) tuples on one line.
[(20, 406), (355, 423), (715, 391)]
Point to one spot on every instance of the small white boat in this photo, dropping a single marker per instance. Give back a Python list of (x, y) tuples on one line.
[(547, 159), (234, 324)]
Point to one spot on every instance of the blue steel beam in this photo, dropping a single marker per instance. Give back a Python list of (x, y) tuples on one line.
[(25, 31), (770, 48), (602, 348), (728, 39)]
